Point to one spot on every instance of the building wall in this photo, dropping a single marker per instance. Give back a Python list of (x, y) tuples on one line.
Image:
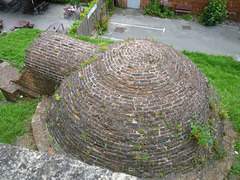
[(198, 6)]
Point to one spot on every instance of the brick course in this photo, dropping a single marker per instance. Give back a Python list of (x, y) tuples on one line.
[(121, 111), (51, 58)]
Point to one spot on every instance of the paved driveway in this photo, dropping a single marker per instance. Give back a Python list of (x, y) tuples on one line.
[(181, 34), (53, 14)]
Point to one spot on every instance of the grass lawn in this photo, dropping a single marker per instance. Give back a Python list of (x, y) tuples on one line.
[(222, 71), (12, 45), (13, 118)]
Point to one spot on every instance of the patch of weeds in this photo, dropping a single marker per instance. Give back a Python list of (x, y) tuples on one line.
[(1, 96), (155, 39), (141, 131), (160, 175), (167, 123), (52, 124), (84, 136), (139, 145), (57, 97), (87, 62), (186, 17), (175, 136), (198, 160), (160, 115), (102, 25), (153, 114), (88, 152), (202, 133), (69, 84), (104, 48), (57, 147), (51, 139), (221, 153), (178, 127), (156, 9), (69, 141), (73, 28)]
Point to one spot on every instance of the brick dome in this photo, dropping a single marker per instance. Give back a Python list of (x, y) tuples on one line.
[(130, 111)]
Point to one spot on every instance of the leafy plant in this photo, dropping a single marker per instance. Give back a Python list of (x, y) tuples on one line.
[(160, 175), (155, 9), (87, 62), (1, 96), (74, 2), (57, 147), (84, 136), (57, 97), (51, 139), (102, 25), (202, 133), (141, 131), (88, 152), (110, 4), (214, 13), (73, 28), (186, 17)]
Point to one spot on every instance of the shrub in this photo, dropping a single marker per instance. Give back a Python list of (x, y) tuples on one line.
[(214, 13), (90, 5), (73, 28), (155, 9)]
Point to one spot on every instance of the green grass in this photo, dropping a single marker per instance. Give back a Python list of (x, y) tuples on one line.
[(12, 45), (224, 74), (96, 41), (1, 96), (13, 117)]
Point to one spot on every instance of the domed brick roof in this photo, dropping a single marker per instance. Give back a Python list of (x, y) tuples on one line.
[(130, 111)]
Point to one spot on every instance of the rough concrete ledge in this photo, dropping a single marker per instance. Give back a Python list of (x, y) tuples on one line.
[(20, 163)]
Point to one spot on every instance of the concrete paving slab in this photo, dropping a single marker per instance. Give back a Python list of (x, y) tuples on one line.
[(53, 14), (181, 34)]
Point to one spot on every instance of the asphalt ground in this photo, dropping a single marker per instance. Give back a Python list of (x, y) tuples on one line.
[(181, 34), (53, 14), (126, 23)]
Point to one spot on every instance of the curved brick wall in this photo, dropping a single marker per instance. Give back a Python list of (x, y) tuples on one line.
[(130, 111), (51, 58)]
